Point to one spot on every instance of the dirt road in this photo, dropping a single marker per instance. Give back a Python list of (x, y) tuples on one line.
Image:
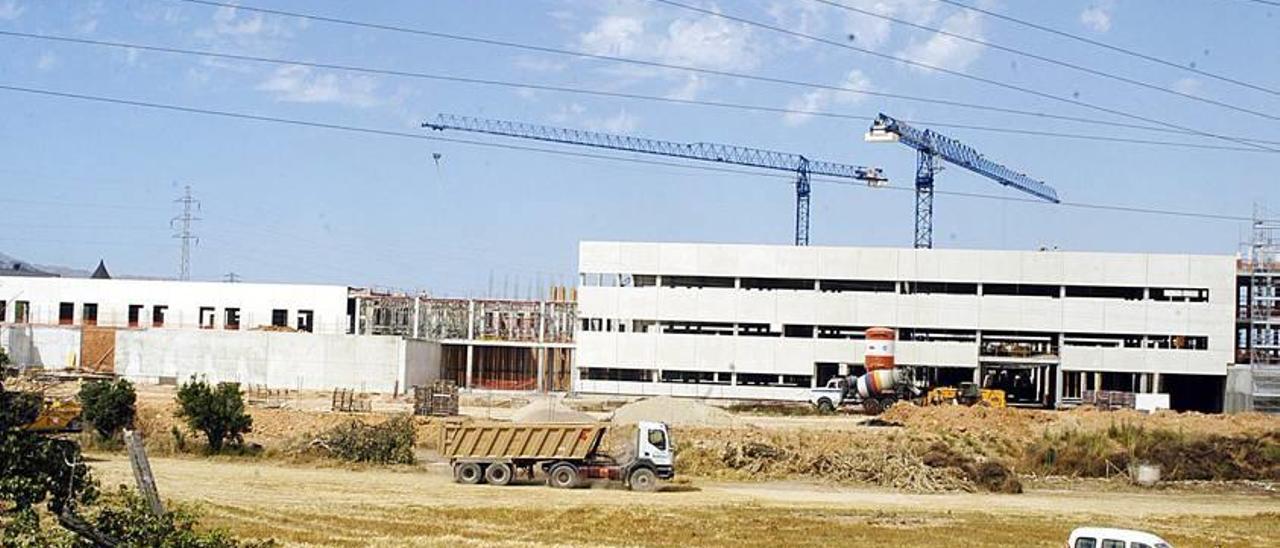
[(411, 506)]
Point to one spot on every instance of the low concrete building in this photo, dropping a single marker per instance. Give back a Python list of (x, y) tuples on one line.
[(752, 321)]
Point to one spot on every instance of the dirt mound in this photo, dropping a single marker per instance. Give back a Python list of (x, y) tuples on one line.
[(755, 455), (674, 412), (549, 410)]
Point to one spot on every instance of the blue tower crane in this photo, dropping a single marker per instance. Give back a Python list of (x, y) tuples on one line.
[(933, 146), (709, 152)]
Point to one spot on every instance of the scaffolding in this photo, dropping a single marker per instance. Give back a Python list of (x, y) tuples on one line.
[(1259, 314)]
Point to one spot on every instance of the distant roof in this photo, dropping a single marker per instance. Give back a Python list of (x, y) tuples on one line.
[(101, 273)]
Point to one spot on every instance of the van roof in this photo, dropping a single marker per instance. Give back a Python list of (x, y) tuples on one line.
[(1117, 534)]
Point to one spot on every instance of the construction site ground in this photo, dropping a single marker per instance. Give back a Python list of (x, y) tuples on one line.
[(421, 506), (772, 500)]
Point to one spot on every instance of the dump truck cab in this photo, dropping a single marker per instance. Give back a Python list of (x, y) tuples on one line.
[(654, 449)]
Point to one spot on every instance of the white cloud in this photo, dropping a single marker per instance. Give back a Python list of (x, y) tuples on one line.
[(47, 61), (946, 51), (226, 20), (1097, 17), (622, 122), (576, 115), (693, 85), (1189, 86), (704, 41), (10, 10), (873, 32), (297, 84), (820, 99)]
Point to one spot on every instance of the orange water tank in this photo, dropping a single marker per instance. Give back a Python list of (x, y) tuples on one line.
[(879, 348)]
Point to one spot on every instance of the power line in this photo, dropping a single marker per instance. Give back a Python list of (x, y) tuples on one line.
[(1058, 62), (1265, 2), (788, 179), (1110, 47), (635, 96), (687, 68), (956, 73)]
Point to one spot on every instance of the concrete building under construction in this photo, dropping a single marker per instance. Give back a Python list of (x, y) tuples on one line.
[(753, 321)]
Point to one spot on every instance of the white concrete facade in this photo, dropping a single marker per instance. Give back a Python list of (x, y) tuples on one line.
[(181, 305), (278, 360), (727, 313)]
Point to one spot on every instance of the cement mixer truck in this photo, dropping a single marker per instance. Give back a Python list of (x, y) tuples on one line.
[(883, 384)]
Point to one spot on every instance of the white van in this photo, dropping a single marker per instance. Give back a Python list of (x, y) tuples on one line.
[(1104, 537)]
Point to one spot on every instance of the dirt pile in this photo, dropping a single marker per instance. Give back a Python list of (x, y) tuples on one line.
[(675, 412), (549, 410), (1181, 454), (844, 457), (986, 474)]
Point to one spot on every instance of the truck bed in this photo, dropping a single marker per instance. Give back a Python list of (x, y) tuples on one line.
[(532, 441)]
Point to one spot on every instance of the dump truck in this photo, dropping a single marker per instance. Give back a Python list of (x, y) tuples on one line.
[(567, 455)]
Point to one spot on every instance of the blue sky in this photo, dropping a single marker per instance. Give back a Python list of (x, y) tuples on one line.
[(280, 203)]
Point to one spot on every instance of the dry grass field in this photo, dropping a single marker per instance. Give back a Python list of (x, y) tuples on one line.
[(420, 506)]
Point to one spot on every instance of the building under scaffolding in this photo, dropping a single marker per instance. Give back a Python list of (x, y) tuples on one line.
[(487, 344), (1258, 320)]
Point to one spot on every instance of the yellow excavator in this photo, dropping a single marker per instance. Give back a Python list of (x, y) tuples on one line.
[(967, 393), (57, 416)]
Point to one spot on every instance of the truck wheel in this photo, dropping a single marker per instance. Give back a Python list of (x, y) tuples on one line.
[(563, 476), (872, 406), (643, 480), (826, 407), (469, 473), (498, 474)]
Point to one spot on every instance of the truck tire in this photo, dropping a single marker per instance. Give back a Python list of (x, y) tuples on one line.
[(826, 407), (563, 476), (872, 406), (469, 473), (498, 474), (643, 480)]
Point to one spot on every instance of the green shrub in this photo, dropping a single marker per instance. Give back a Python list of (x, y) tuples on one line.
[(388, 443), (33, 468), (217, 411), (109, 406)]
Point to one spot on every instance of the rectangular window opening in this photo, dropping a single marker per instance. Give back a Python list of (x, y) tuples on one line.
[(66, 313), (1105, 292), (1023, 290), (863, 286), (21, 311), (306, 321), (135, 314), (157, 315), (280, 317), (231, 319), (697, 282), (939, 288), (207, 317), (770, 284), (89, 314)]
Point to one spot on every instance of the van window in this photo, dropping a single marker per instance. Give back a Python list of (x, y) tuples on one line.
[(1112, 543), (1139, 545), (658, 439), (1086, 542)]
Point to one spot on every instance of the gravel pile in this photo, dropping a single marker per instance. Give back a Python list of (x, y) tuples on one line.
[(549, 410), (674, 412)]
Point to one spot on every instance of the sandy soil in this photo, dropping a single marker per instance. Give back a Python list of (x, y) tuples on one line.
[(301, 505)]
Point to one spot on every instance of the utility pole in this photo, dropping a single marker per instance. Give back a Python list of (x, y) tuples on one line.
[(232, 277), (189, 206)]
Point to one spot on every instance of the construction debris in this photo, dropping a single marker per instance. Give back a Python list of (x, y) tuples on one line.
[(440, 398), (346, 400)]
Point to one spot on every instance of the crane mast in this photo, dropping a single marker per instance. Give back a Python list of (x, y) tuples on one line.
[(798, 164), (931, 147)]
